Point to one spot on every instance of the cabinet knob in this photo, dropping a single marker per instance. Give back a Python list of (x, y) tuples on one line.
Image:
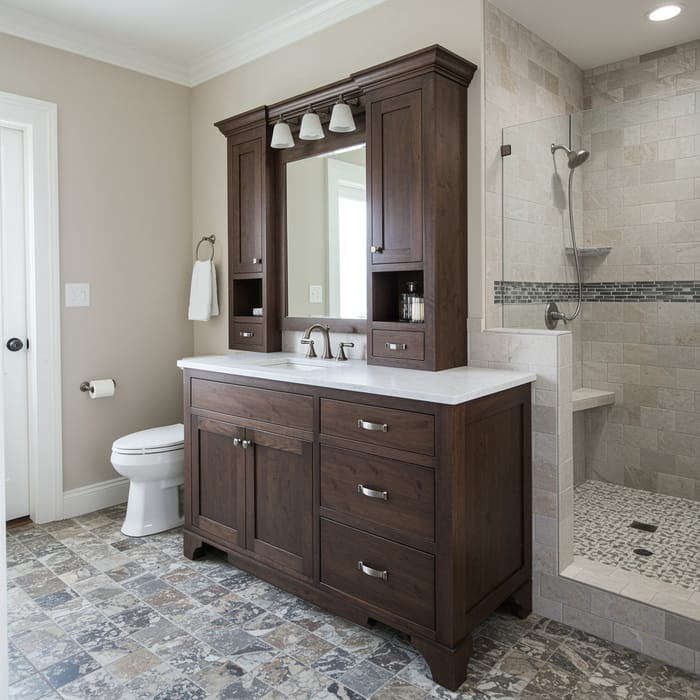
[(245, 444), (366, 425), (369, 571), (371, 493), (236, 442), (246, 334), (257, 261), (396, 346), (376, 249)]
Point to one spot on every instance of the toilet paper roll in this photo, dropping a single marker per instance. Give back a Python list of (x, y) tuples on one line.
[(101, 388)]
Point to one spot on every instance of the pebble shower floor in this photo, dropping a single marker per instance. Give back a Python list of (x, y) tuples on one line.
[(602, 516), (95, 614)]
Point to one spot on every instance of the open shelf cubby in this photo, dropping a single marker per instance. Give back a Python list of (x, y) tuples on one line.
[(386, 290), (247, 295)]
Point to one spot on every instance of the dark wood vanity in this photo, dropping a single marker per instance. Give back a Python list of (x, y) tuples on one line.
[(391, 508), (412, 513)]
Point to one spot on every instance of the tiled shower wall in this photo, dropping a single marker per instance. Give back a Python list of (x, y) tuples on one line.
[(642, 198), (525, 79)]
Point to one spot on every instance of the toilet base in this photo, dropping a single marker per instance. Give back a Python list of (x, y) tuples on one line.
[(153, 506)]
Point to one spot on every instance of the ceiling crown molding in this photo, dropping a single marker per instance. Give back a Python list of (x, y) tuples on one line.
[(61, 36), (296, 25)]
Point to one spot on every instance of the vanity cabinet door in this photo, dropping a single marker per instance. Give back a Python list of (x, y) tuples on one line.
[(246, 205), (217, 481), (279, 499), (396, 176)]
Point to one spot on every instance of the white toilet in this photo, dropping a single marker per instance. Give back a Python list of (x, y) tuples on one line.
[(153, 461)]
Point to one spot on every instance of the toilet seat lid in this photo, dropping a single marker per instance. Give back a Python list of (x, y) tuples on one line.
[(164, 439)]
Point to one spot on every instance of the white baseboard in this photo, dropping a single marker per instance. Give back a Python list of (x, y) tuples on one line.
[(87, 499)]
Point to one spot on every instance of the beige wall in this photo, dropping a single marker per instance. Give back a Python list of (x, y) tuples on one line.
[(125, 228), (391, 29)]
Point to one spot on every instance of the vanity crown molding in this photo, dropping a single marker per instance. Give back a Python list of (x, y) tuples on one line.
[(431, 59)]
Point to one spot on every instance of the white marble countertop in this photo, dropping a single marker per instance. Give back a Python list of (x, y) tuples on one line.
[(450, 386)]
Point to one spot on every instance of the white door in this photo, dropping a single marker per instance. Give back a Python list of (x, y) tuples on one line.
[(13, 285)]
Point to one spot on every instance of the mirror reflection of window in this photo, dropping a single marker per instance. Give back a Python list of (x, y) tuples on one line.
[(347, 234), (327, 235)]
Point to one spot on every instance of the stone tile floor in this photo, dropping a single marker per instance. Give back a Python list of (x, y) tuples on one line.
[(603, 513), (95, 614)]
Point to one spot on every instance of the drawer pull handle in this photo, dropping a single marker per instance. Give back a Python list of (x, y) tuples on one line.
[(236, 442), (246, 334), (366, 425), (371, 493), (257, 261), (375, 573), (245, 444), (396, 346)]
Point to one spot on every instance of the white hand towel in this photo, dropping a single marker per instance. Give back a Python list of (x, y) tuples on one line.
[(203, 292)]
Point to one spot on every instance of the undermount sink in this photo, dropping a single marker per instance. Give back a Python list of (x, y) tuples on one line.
[(294, 365)]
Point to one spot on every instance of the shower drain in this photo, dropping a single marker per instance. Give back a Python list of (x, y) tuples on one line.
[(642, 552)]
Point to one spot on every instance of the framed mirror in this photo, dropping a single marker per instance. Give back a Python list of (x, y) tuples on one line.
[(322, 187)]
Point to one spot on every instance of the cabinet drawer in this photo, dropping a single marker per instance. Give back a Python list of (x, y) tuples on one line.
[(405, 345), (402, 430), (248, 335), (281, 408), (381, 491), (397, 578)]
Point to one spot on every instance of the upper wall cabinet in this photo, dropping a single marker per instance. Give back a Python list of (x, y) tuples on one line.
[(252, 252), (414, 112), (396, 176)]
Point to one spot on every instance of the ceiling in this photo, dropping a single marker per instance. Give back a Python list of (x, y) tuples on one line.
[(190, 41), (593, 33), (186, 41)]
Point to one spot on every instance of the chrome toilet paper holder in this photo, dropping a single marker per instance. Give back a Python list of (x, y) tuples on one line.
[(85, 386)]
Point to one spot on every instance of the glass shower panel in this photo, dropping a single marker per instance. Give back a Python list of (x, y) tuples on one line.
[(536, 221)]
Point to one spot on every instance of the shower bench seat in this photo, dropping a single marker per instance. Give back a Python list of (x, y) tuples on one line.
[(583, 398)]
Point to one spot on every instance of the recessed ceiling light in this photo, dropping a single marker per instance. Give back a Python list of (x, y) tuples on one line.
[(661, 14)]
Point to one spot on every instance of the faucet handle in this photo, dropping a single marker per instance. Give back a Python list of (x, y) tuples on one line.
[(310, 352), (341, 350)]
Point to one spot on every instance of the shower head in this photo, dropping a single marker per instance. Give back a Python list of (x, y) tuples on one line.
[(576, 158)]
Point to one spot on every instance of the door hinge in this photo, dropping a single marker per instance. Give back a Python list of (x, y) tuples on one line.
[(506, 150)]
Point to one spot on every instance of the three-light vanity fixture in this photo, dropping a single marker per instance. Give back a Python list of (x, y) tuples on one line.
[(311, 128)]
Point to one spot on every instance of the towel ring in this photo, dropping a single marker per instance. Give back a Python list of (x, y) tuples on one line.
[(208, 239)]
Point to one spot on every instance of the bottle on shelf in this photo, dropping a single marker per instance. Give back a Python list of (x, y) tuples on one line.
[(411, 305), (406, 301)]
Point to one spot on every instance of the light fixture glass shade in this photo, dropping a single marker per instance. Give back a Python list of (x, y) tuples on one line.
[(311, 129), (282, 136), (341, 118), (664, 12)]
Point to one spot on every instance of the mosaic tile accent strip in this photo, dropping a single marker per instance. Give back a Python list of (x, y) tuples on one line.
[(603, 513), (506, 292), (95, 614)]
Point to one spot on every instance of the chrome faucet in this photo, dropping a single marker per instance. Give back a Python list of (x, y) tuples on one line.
[(306, 340)]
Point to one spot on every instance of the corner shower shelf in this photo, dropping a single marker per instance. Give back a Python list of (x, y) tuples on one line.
[(590, 251), (583, 399)]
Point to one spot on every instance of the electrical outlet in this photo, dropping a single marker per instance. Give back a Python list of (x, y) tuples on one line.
[(315, 294), (77, 294)]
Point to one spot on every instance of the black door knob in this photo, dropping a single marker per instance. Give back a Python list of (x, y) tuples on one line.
[(14, 344)]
